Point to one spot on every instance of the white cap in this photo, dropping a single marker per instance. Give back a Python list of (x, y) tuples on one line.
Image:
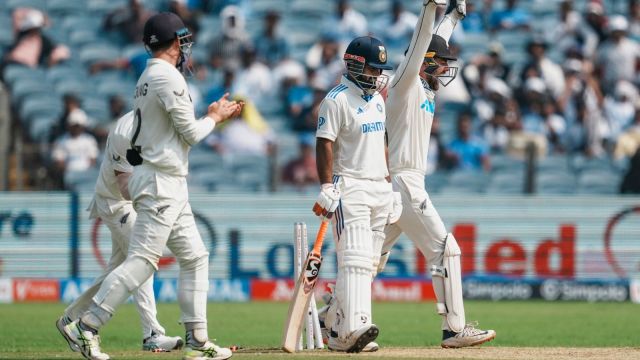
[(626, 89), (77, 117), (574, 65), (33, 19), (618, 23), (535, 84), (495, 85)]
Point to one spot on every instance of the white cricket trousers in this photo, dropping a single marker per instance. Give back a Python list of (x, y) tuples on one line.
[(419, 220), (120, 224), (165, 218), (360, 218)]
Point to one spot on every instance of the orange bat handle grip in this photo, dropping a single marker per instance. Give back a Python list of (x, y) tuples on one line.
[(317, 246)]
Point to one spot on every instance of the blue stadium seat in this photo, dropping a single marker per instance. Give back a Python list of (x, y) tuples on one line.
[(553, 163), (42, 104), (29, 87), (66, 7), (37, 4), (73, 85), (506, 163), (74, 180), (596, 181), (100, 51), (467, 181), (506, 183), (435, 181), (15, 72), (40, 127), (551, 182), (61, 73)]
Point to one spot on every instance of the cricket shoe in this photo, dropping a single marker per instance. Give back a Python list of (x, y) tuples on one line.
[(322, 315), (159, 343), (60, 324), (208, 351), (469, 336), (85, 340), (356, 342)]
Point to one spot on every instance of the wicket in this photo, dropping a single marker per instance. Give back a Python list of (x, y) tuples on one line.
[(311, 324)]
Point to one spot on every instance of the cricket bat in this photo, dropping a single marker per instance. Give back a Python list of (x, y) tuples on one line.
[(304, 291)]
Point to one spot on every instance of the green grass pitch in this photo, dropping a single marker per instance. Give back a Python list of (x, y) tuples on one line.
[(28, 332)]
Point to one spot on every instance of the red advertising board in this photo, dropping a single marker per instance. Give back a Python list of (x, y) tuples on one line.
[(36, 290), (381, 290)]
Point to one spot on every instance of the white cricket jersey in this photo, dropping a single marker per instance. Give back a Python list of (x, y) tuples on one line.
[(357, 128), (115, 159), (168, 125), (410, 107)]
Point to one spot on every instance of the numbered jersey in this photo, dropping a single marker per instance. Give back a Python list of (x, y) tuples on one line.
[(356, 126), (165, 114), (118, 142)]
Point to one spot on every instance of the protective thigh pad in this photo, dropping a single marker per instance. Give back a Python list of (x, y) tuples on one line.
[(353, 285), (447, 278), (193, 288)]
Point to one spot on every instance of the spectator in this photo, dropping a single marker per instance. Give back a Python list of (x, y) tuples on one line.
[(307, 120), (581, 104), (619, 55), (271, 46), (31, 47), (619, 109), (117, 107), (247, 134), (75, 151), (128, 21), (226, 47), (217, 91), (302, 171), (631, 182), (466, 151), (70, 102), (554, 125), (495, 132), (189, 18), (634, 19), (437, 155), (572, 32), (629, 142), (347, 22), (253, 80), (510, 18), (397, 27), (596, 20), (474, 22), (324, 58), (544, 67)]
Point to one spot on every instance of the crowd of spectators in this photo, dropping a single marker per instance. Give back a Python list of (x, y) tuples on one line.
[(573, 90)]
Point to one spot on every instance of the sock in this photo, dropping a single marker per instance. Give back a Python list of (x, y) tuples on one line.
[(196, 334)]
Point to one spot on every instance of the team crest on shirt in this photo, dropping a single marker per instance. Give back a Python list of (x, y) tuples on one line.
[(382, 55), (379, 107), (321, 121)]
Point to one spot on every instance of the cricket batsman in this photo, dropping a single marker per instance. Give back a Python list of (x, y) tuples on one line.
[(352, 167), (112, 204), (410, 109)]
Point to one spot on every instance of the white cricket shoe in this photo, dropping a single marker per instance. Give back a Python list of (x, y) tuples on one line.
[(86, 341), (60, 324), (322, 314), (208, 351), (358, 340), (160, 343), (469, 336)]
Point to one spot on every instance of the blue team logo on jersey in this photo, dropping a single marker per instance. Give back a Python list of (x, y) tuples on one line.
[(428, 106), (379, 107), (321, 121)]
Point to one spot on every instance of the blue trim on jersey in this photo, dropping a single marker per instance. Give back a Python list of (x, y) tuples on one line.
[(336, 90), (338, 213)]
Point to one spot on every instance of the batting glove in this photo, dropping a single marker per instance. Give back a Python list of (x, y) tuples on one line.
[(459, 6), (327, 201)]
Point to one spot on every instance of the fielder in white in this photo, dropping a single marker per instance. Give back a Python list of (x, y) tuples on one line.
[(352, 169), (410, 108), (164, 131), (112, 204)]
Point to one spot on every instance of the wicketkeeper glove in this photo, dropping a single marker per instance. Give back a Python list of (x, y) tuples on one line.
[(327, 201), (459, 6)]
